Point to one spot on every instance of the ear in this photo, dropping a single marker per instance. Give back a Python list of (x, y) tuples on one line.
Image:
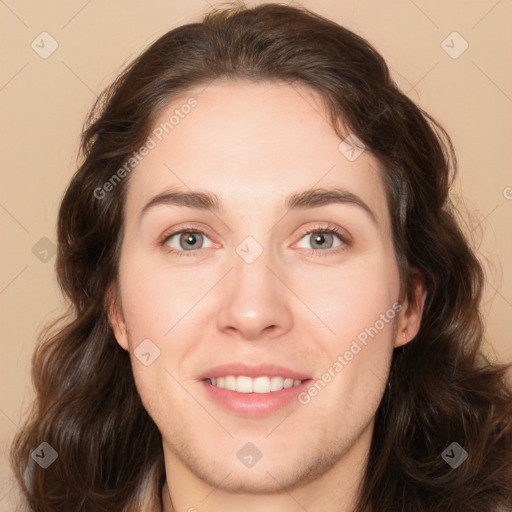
[(410, 319), (115, 315)]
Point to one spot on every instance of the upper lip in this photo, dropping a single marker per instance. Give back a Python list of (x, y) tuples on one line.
[(260, 370)]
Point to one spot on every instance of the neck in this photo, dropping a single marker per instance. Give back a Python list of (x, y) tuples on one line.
[(166, 499)]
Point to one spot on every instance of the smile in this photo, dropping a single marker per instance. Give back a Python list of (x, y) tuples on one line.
[(244, 384)]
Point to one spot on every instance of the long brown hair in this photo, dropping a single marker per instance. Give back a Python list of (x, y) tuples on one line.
[(441, 387)]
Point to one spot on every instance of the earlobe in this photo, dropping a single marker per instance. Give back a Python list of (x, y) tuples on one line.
[(115, 316)]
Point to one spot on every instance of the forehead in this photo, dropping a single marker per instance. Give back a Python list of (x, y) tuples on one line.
[(252, 144)]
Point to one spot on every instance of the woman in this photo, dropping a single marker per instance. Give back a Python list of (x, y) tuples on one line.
[(319, 345)]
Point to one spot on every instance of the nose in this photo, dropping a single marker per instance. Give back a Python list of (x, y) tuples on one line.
[(255, 302)]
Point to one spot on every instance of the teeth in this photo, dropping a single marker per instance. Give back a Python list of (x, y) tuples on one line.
[(243, 384)]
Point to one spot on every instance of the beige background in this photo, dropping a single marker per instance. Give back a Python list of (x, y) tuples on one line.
[(44, 102)]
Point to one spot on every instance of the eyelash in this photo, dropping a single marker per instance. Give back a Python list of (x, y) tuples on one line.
[(329, 228)]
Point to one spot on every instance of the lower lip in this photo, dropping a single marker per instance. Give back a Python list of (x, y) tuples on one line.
[(254, 404)]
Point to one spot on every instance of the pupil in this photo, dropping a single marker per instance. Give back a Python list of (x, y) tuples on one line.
[(190, 238), (320, 239)]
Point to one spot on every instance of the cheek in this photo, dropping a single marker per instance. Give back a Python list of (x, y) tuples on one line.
[(353, 297), (358, 308), (156, 298), (158, 304)]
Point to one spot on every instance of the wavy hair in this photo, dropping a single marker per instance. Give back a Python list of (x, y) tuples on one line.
[(442, 388)]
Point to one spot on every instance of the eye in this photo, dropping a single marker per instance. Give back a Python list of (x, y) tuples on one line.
[(323, 238), (189, 239), (186, 240)]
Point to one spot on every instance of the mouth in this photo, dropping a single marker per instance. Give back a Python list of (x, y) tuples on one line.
[(262, 385), (253, 391)]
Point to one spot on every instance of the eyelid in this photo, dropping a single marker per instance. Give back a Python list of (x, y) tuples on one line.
[(342, 234), (177, 230)]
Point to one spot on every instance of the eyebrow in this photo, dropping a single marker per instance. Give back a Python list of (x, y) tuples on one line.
[(312, 198)]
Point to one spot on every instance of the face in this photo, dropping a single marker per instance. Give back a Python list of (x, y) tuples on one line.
[(259, 283)]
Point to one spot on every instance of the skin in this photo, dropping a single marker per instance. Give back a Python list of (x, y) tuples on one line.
[(253, 144)]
